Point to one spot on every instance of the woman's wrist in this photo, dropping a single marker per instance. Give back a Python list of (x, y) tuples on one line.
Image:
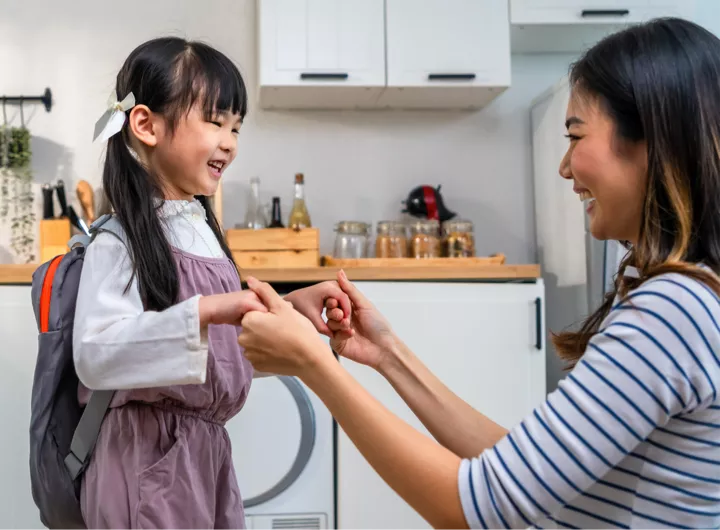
[(395, 357)]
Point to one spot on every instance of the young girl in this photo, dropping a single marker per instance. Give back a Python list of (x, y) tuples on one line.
[(160, 301)]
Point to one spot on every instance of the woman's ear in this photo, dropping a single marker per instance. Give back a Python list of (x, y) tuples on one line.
[(144, 125)]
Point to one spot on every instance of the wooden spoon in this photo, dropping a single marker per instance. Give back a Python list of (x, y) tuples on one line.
[(87, 200)]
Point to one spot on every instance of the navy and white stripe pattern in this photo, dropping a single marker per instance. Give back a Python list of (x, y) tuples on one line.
[(630, 439)]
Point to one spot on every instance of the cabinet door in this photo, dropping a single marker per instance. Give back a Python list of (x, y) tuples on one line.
[(321, 42), (595, 11), (447, 43), (18, 352), (481, 340)]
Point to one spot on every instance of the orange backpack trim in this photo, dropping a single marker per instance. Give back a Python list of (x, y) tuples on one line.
[(46, 294)]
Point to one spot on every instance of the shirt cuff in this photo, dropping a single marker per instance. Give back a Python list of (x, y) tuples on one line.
[(467, 496)]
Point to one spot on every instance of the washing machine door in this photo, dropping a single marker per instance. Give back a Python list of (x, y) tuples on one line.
[(272, 438)]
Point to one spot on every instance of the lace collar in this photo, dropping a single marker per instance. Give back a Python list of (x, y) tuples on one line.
[(170, 208)]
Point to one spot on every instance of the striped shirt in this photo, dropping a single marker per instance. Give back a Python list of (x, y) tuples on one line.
[(630, 439)]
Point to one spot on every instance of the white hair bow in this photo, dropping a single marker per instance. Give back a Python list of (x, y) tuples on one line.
[(112, 121)]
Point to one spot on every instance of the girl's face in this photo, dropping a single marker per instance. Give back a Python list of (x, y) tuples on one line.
[(609, 174), (191, 159)]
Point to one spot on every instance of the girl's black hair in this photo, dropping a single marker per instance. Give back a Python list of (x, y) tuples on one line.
[(169, 75)]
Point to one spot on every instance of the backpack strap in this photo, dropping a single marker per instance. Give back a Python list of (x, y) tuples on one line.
[(87, 431), (88, 428)]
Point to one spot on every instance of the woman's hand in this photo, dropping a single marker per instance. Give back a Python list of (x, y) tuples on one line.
[(369, 338), (310, 302), (228, 308), (280, 341)]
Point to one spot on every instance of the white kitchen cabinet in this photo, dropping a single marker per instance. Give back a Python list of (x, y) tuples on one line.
[(321, 53), (446, 53), (18, 350), (483, 340), (574, 25)]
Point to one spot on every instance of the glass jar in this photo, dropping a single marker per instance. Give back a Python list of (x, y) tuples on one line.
[(458, 239), (351, 241), (391, 240), (425, 239)]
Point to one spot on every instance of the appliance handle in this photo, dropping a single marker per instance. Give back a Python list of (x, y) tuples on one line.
[(604, 13), (451, 77), (334, 76), (538, 323), (307, 442)]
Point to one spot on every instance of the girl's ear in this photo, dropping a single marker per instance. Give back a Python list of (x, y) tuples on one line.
[(144, 125)]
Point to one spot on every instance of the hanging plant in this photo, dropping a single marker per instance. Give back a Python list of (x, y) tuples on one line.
[(4, 172), (16, 195)]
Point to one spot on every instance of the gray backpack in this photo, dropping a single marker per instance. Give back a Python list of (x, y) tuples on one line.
[(62, 432)]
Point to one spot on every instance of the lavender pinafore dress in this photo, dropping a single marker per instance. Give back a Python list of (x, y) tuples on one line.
[(163, 458)]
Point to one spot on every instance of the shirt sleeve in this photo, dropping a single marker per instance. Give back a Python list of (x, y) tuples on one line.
[(652, 360), (118, 345)]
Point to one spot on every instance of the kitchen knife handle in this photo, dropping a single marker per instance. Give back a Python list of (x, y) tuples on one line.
[(60, 188), (48, 206)]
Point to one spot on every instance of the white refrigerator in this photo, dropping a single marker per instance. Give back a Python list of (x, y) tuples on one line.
[(578, 269)]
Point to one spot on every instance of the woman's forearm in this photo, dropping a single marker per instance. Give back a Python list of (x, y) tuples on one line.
[(422, 472), (453, 423)]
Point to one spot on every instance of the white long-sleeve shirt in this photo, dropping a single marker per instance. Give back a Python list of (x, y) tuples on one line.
[(117, 345), (631, 438)]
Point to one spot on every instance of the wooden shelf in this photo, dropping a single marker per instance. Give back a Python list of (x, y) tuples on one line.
[(17, 274), (22, 274)]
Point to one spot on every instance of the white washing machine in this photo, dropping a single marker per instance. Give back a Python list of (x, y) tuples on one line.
[(284, 456)]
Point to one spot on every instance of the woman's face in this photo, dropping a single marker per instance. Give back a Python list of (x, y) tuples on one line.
[(609, 174)]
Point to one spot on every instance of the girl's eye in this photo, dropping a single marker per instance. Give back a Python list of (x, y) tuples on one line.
[(216, 123), (236, 131)]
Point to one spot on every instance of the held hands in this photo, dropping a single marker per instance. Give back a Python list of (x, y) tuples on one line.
[(311, 301), (366, 337), (228, 308), (281, 340)]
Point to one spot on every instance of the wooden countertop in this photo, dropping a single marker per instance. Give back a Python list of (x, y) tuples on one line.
[(22, 274)]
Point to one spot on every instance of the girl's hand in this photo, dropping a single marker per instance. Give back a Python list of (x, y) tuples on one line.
[(368, 339), (280, 341), (228, 308), (310, 302)]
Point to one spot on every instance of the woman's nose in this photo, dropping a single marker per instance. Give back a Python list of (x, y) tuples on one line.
[(564, 169)]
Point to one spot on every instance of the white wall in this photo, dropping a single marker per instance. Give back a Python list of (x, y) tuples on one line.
[(358, 165)]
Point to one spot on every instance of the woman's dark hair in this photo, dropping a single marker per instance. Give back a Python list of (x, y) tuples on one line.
[(169, 75), (660, 83)]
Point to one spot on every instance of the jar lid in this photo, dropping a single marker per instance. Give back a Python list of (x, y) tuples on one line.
[(352, 227), (425, 226), (391, 227), (458, 225)]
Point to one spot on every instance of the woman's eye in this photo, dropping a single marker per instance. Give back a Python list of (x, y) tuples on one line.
[(572, 137)]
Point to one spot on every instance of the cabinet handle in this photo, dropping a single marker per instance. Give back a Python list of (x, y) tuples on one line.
[(320, 75), (451, 77), (538, 323), (605, 12)]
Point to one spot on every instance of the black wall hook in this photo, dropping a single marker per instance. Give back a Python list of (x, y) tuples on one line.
[(45, 99)]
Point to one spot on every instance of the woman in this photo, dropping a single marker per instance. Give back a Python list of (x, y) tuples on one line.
[(631, 438)]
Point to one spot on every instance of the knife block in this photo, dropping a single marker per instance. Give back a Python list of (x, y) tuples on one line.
[(54, 237)]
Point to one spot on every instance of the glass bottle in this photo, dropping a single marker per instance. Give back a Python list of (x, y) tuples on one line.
[(255, 218), (276, 220), (299, 216)]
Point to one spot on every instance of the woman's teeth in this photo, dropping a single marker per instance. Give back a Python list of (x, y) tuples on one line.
[(585, 195)]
